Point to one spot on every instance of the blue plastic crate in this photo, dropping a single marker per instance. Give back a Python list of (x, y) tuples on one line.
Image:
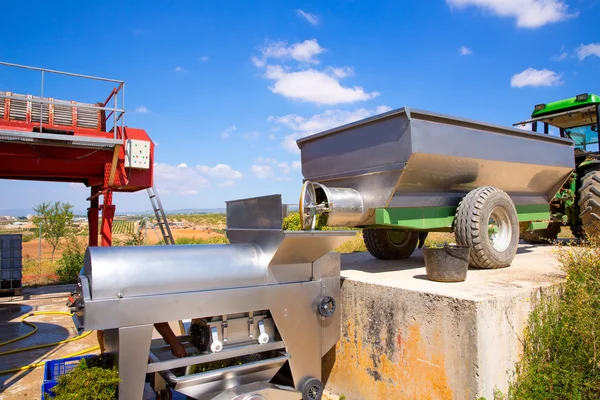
[(53, 369)]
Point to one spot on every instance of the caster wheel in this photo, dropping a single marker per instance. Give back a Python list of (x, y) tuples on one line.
[(312, 389)]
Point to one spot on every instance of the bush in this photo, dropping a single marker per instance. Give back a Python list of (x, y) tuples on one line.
[(292, 222), (561, 358), (71, 262), (195, 240), (38, 273)]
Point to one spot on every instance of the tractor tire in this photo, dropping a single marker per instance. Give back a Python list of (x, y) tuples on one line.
[(542, 236), (486, 221), (390, 244), (589, 203), (577, 232)]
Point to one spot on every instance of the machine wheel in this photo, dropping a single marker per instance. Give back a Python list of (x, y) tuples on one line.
[(542, 236), (486, 221), (390, 244), (577, 232), (589, 203), (312, 389)]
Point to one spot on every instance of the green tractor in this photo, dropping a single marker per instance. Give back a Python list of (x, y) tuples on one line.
[(577, 204)]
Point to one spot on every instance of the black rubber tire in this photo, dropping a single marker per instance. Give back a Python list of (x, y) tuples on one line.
[(542, 236), (577, 232), (471, 227), (312, 389), (589, 203), (381, 246)]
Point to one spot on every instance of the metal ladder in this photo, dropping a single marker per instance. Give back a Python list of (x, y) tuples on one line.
[(161, 217)]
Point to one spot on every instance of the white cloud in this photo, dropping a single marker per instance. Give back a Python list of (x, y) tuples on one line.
[(252, 135), (141, 109), (465, 51), (271, 136), (180, 69), (222, 171), (315, 86), (560, 57), (382, 109), (204, 58), (535, 77), (286, 168), (226, 184), (304, 52), (529, 13), (587, 50), (340, 72), (227, 132), (311, 18), (178, 179), (320, 122), (262, 171), (266, 160)]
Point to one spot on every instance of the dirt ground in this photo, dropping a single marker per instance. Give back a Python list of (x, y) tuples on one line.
[(31, 248)]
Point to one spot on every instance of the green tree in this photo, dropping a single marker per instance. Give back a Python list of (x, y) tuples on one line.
[(56, 221)]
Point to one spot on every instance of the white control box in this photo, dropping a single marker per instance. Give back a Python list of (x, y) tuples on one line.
[(137, 154)]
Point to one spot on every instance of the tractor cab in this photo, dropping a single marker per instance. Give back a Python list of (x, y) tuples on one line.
[(575, 118), (577, 203)]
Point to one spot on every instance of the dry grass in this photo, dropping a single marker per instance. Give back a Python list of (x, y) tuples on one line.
[(357, 244), (37, 273), (561, 357)]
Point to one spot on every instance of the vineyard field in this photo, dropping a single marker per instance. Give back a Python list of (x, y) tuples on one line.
[(122, 227)]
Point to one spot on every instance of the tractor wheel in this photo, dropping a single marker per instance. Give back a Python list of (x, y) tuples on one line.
[(577, 232), (390, 244), (542, 236), (589, 203), (486, 221)]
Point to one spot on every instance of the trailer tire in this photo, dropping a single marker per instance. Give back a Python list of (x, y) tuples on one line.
[(589, 203), (472, 227), (542, 236), (312, 389), (390, 244)]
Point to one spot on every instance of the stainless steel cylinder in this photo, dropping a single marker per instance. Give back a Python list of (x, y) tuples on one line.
[(344, 205), (116, 272)]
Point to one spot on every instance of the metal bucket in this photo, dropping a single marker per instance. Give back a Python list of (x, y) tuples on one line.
[(447, 264)]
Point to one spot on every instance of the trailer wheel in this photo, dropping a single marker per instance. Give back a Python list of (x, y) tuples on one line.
[(542, 236), (312, 389), (390, 244), (589, 203), (486, 221)]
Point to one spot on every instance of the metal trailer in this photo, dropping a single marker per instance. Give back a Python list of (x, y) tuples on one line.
[(270, 295), (407, 172), (11, 263)]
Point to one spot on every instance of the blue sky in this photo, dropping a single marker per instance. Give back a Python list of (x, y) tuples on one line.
[(225, 87)]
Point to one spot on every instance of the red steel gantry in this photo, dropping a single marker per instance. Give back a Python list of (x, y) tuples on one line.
[(45, 139)]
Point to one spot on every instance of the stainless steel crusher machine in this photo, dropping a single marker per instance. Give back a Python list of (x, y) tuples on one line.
[(269, 300)]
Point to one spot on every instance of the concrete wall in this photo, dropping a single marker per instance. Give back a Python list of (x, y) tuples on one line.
[(404, 337)]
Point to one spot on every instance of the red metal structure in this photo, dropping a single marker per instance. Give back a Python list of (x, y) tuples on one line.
[(66, 141)]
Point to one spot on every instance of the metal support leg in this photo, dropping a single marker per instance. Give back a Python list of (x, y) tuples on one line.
[(108, 213), (134, 347), (92, 214)]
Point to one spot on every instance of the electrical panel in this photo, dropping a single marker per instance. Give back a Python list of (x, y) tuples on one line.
[(137, 154)]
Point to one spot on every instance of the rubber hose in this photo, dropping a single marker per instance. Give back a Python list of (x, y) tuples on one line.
[(41, 346)]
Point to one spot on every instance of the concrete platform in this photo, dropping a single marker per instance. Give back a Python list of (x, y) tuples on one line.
[(405, 337)]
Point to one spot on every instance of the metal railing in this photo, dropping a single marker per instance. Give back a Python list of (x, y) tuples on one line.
[(117, 114)]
